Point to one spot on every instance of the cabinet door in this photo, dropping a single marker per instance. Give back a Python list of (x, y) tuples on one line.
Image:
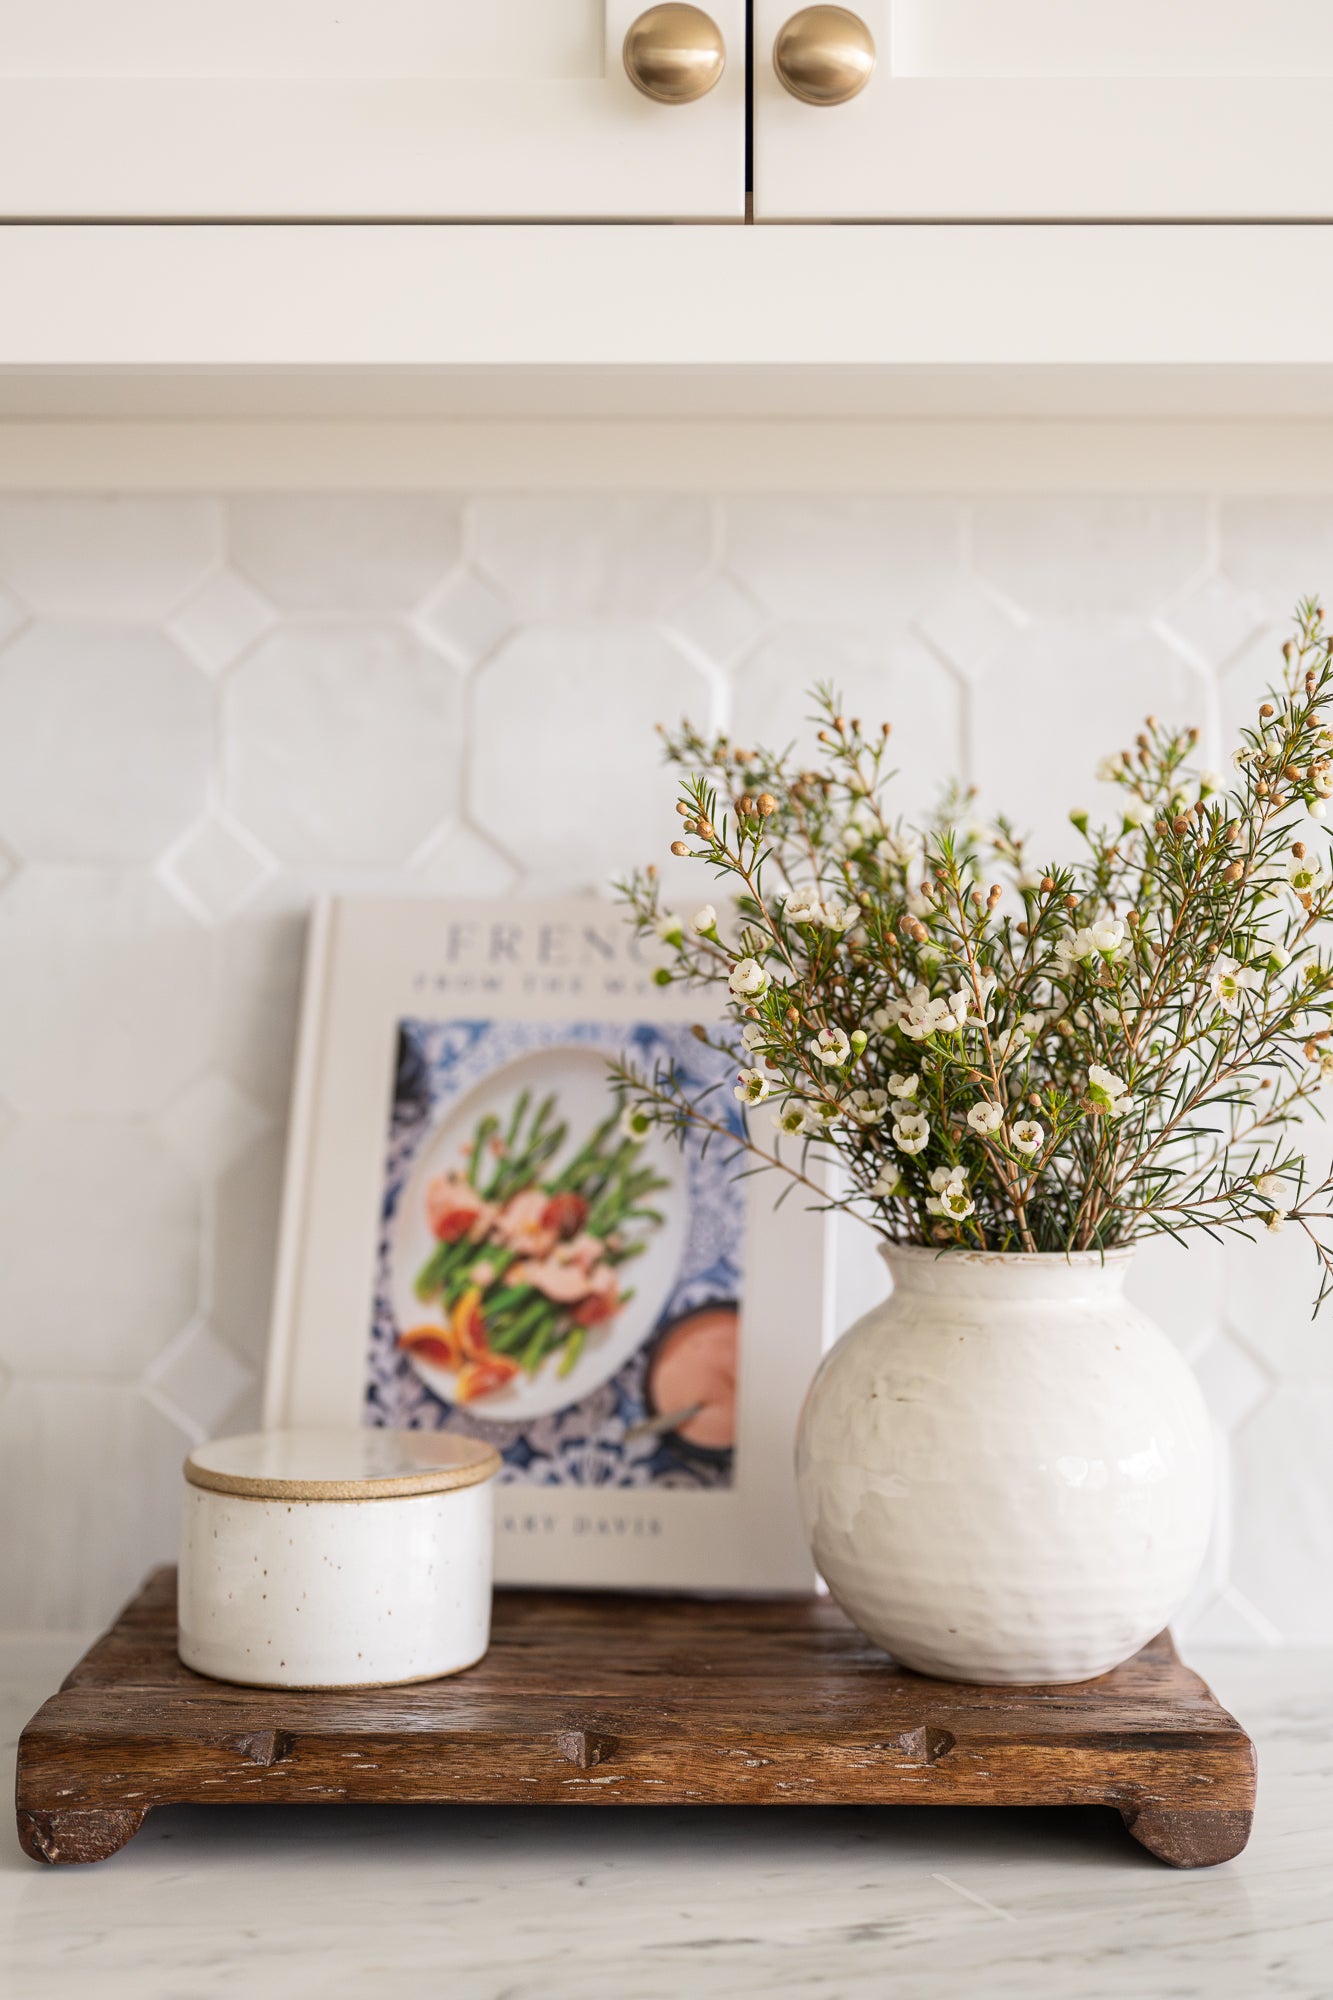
[(1045, 110), (357, 108)]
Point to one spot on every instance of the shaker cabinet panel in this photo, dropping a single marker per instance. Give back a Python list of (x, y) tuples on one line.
[(353, 109), (1042, 110)]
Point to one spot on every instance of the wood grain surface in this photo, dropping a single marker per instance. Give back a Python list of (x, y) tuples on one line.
[(615, 1700)]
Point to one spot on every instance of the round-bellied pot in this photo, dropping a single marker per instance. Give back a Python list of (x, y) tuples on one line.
[(1006, 1468)]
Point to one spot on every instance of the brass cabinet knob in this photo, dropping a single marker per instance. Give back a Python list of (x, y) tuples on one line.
[(674, 54), (824, 55)]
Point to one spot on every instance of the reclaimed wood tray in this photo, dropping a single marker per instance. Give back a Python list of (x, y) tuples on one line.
[(602, 1700)]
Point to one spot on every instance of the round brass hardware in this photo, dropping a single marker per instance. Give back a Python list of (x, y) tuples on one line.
[(674, 54), (824, 55)]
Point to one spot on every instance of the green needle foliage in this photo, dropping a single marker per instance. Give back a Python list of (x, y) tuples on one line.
[(1009, 1058)]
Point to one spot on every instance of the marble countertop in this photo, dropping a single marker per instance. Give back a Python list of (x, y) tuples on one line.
[(513, 1904)]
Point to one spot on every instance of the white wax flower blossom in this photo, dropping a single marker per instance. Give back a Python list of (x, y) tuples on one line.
[(1135, 813), (1321, 779), (1031, 1024), (901, 1085), (1274, 1222), (858, 831), (803, 906), (1278, 958), (791, 1118), (635, 1123), (1109, 768), (820, 1114), (911, 1132), (830, 1046), (951, 1198), (1028, 1136), (1268, 1185), (984, 1117), (839, 917), (1305, 875), (669, 927), (704, 919), (1108, 1091), (925, 1016), (897, 848), (1109, 937), (1229, 980), (748, 978), (868, 1107), (887, 1183), (889, 1015), (752, 1086), (754, 1037)]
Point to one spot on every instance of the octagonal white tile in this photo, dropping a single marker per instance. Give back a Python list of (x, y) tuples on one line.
[(457, 861), (1055, 701), (1271, 1289), (1279, 548), (566, 770), (211, 1124), (343, 743), (106, 742), (1233, 1382), (70, 556), (896, 680), (718, 618), (1066, 555), (262, 952), (1282, 1533), (99, 1243), (247, 1205), (220, 620), (1214, 619), (968, 625), (198, 1382), (90, 1480), (352, 552), (845, 561), (467, 616), (216, 868), (106, 1006), (1245, 680), (1181, 1283), (563, 555)]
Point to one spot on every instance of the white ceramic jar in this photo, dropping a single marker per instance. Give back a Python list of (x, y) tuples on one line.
[(355, 1558), (1006, 1469)]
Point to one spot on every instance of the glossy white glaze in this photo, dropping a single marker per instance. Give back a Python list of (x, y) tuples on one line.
[(363, 1588), (1006, 1469)]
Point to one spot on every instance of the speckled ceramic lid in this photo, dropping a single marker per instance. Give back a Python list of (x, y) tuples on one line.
[(341, 1464)]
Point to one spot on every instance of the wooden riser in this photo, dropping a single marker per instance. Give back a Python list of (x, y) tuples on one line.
[(600, 1700)]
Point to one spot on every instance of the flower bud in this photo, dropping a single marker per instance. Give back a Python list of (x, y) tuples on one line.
[(679, 847), (765, 805)]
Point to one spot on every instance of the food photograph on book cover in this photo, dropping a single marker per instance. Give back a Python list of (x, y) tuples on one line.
[(548, 1278)]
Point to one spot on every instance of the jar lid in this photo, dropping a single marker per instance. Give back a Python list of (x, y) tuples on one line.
[(341, 1465)]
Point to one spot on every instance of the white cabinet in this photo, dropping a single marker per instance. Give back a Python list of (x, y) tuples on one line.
[(1045, 110), (361, 109)]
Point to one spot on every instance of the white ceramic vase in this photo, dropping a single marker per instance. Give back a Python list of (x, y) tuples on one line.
[(1006, 1469)]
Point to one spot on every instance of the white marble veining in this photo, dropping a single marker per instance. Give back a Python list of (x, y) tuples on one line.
[(892, 1904)]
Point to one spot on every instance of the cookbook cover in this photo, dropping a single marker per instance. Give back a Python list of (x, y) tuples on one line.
[(473, 1241)]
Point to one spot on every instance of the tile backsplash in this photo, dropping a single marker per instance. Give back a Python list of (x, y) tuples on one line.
[(210, 708)]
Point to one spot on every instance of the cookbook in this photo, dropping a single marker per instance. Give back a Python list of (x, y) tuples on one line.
[(474, 1239)]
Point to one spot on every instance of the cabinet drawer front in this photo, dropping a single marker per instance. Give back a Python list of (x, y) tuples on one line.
[(1057, 110), (355, 109)]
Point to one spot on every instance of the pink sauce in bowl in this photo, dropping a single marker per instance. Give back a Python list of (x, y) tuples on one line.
[(695, 1364)]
